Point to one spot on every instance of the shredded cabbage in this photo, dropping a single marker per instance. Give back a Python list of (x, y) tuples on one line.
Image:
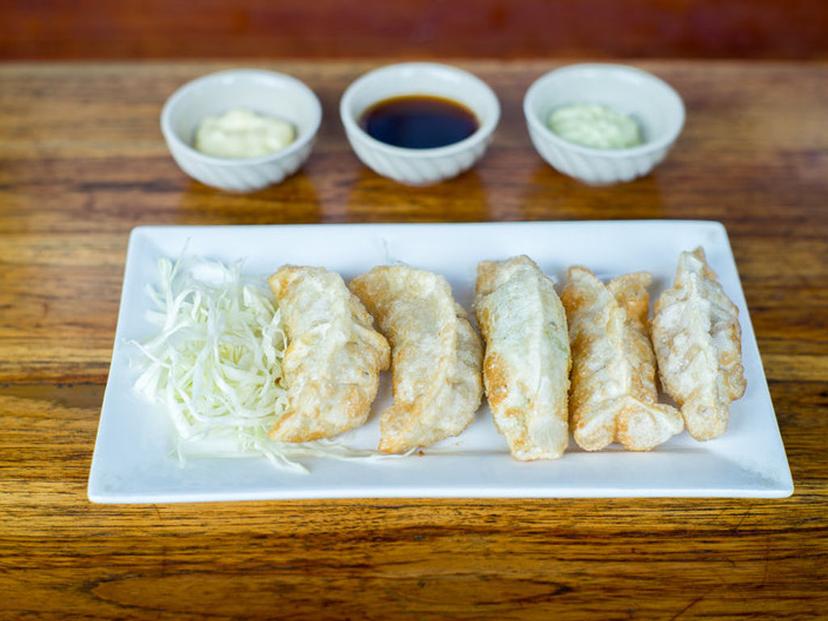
[(215, 364)]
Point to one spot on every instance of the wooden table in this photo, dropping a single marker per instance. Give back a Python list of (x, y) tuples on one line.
[(82, 161)]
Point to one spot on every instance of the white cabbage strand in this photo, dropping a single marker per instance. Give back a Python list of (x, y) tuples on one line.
[(215, 364)]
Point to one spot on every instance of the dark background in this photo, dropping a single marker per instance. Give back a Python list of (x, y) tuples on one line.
[(97, 29)]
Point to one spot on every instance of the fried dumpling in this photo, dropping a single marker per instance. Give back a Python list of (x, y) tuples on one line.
[(614, 396), (526, 366), (334, 356), (697, 341), (436, 356)]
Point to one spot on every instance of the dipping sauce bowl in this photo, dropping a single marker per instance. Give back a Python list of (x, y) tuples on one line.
[(419, 166), (265, 92), (653, 103)]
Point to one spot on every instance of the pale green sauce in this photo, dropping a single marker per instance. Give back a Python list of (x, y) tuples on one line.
[(595, 126)]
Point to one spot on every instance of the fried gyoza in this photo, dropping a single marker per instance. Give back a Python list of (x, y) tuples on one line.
[(697, 341), (334, 356), (436, 356), (614, 397), (526, 367)]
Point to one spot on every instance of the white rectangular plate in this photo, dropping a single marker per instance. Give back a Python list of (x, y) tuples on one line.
[(134, 462)]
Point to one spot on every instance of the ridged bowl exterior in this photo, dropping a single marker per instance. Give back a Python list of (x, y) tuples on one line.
[(419, 166), (272, 93), (655, 105), (416, 170), (239, 177), (592, 168)]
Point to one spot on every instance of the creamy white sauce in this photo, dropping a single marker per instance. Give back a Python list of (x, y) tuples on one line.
[(240, 133), (595, 126)]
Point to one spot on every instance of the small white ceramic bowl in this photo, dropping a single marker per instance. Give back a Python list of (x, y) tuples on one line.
[(265, 92), (649, 100), (419, 166)]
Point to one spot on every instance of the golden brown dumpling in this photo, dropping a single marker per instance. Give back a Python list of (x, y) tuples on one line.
[(526, 367), (436, 356), (697, 341), (614, 396), (334, 356)]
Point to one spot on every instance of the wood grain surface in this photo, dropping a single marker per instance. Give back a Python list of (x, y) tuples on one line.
[(82, 161)]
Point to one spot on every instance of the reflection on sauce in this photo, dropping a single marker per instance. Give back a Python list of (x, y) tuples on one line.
[(418, 122)]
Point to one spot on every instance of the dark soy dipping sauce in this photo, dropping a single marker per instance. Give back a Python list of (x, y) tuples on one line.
[(418, 122)]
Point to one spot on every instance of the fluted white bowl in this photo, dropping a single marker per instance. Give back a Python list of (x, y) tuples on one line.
[(265, 92), (419, 166), (653, 103)]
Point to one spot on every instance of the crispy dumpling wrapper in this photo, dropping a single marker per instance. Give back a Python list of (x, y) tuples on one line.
[(614, 396), (526, 365), (334, 357), (698, 344), (436, 356)]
